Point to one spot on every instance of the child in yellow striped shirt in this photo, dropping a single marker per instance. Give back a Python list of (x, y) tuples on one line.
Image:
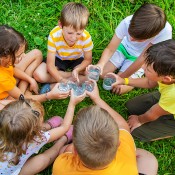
[(69, 46)]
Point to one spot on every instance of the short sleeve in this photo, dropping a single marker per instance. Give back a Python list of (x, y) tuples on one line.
[(164, 34), (88, 44), (122, 29)]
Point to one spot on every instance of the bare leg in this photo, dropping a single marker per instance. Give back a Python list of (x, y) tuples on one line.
[(41, 74), (146, 162), (109, 67), (41, 161), (28, 64)]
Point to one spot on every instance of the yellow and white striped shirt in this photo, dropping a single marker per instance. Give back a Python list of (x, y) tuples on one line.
[(56, 43)]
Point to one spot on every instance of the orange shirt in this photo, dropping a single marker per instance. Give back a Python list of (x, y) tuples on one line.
[(7, 81), (123, 164)]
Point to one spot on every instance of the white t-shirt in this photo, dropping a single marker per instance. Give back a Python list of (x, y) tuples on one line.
[(7, 169), (135, 48)]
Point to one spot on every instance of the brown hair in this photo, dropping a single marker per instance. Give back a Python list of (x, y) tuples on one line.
[(11, 40), (147, 22), (95, 137), (19, 124), (75, 15), (162, 56)]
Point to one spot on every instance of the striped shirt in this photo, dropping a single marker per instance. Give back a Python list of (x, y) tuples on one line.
[(57, 44)]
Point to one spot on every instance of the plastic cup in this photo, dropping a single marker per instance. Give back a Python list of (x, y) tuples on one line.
[(108, 81), (64, 87), (71, 84), (78, 89), (89, 85), (94, 73)]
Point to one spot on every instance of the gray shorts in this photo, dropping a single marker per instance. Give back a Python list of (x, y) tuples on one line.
[(164, 126), (121, 63)]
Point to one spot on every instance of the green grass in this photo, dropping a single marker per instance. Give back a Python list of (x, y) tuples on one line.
[(35, 19)]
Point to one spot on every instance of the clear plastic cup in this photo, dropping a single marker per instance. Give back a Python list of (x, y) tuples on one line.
[(71, 84), (89, 85), (79, 89), (64, 87), (108, 81), (94, 73)]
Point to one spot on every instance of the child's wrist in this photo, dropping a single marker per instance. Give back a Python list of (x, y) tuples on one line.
[(139, 118), (126, 81), (48, 96)]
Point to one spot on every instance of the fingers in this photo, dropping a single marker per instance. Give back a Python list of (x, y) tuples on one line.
[(116, 89)]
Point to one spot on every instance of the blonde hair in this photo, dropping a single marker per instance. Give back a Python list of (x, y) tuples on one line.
[(95, 137), (75, 15), (20, 122)]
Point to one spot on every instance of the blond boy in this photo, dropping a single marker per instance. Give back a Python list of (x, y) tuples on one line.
[(69, 46)]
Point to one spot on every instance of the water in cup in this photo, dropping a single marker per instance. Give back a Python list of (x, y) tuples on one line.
[(108, 81), (89, 85), (64, 87), (94, 73)]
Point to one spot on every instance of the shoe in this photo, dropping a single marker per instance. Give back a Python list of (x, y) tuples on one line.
[(69, 134), (46, 88), (55, 121)]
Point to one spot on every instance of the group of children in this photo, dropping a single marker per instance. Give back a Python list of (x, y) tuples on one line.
[(102, 143)]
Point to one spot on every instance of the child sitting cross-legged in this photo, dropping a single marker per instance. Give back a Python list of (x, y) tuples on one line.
[(137, 32), (22, 134), (102, 145), (152, 114), (69, 47)]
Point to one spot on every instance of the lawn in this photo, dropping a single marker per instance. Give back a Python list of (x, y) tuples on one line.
[(35, 19)]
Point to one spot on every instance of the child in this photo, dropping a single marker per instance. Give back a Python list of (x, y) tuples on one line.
[(21, 136), (132, 37), (102, 144), (153, 114), (69, 46), (14, 63)]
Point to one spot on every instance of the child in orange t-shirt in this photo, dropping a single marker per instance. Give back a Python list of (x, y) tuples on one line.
[(102, 144), (16, 69)]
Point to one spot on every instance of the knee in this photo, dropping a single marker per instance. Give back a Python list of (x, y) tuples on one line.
[(130, 106), (37, 75), (38, 55)]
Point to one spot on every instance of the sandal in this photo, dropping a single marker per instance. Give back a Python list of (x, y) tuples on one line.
[(55, 121), (46, 88), (69, 134)]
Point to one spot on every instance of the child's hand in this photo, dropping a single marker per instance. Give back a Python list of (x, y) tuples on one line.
[(76, 99), (33, 86), (133, 122), (119, 80), (98, 66), (94, 95), (55, 93), (75, 73)]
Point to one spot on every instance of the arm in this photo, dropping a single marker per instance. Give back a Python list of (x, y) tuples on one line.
[(60, 131), (109, 51), (136, 64), (138, 82), (23, 76), (94, 95), (152, 114), (51, 67), (87, 61), (53, 94)]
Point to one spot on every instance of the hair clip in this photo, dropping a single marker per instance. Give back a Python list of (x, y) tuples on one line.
[(21, 97), (36, 113)]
